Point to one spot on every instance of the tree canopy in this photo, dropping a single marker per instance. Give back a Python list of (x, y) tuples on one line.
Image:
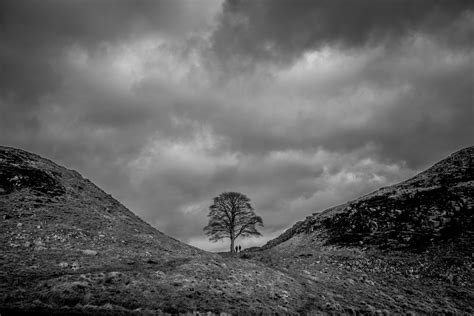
[(231, 216)]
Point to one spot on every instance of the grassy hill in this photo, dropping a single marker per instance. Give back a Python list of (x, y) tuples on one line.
[(67, 246)]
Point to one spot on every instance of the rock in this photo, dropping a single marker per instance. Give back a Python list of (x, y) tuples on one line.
[(89, 252), (108, 306), (75, 266), (63, 265), (351, 281), (39, 242), (160, 274), (370, 282), (19, 225)]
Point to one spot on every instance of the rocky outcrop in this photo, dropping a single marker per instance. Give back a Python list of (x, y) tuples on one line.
[(433, 207), (17, 173)]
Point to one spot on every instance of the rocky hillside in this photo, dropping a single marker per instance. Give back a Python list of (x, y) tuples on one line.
[(433, 207), (66, 246), (404, 248)]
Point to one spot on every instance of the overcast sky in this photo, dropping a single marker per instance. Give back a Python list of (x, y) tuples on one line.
[(300, 105)]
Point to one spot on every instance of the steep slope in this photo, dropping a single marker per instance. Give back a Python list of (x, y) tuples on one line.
[(68, 247), (432, 207), (403, 248)]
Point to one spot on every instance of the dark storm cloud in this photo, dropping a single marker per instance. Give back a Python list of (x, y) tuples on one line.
[(261, 36), (409, 101), (281, 31), (35, 37), (90, 22), (34, 33), (35, 72)]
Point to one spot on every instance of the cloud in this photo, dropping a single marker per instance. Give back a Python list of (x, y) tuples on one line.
[(35, 34), (253, 32)]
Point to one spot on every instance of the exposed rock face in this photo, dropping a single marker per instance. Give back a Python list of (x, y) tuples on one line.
[(16, 174), (433, 207), (67, 246)]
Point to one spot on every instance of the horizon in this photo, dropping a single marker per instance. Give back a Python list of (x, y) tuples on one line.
[(166, 104)]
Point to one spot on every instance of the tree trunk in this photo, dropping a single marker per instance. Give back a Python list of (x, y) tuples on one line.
[(232, 245)]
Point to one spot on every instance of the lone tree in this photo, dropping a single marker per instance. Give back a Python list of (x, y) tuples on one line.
[(231, 216)]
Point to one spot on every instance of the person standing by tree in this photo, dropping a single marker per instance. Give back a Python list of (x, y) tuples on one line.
[(231, 216)]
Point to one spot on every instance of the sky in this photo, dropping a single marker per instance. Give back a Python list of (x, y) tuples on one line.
[(300, 105)]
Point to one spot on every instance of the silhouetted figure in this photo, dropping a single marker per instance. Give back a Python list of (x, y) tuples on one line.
[(236, 249), (240, 248)]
